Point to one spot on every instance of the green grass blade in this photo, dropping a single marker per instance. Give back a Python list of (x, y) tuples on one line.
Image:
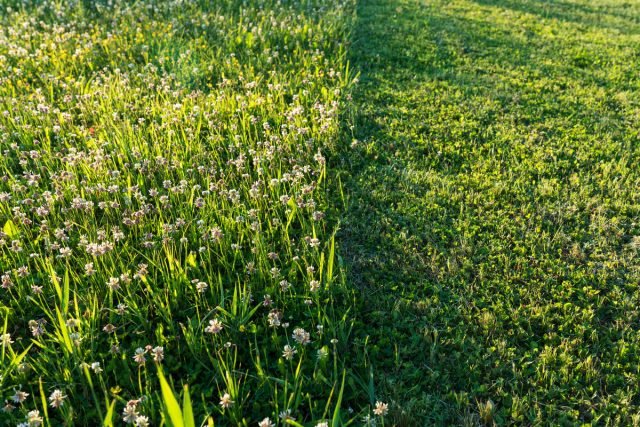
[(171, 405), (336, 420), (187, 410)]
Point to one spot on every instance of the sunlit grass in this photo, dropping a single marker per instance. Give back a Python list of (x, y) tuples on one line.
[(163, 207)]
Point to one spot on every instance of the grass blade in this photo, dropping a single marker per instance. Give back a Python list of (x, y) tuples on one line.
[(171, 406)]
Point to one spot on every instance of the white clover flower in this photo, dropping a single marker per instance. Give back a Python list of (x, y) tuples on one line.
[(201, 287), (284, 285), (142, 421), (286, 415), (289, 352), (215, 326), (56, 399), (130, 413), (19, 396), (301, 336), (113, 283), (225, 401), (139, 356), (88, 269), (157, 354), (6, 340), (34, 419), (381, 409), (274, 317)]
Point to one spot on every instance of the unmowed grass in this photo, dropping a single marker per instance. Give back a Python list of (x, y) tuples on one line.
[(162, 212)]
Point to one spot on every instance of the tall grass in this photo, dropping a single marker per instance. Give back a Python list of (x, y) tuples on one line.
[(162, 202)]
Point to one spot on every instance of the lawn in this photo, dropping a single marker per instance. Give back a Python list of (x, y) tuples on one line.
[(319, 212), (493, 218)]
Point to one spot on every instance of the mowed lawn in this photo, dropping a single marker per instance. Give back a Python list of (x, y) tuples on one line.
[(492, 224)]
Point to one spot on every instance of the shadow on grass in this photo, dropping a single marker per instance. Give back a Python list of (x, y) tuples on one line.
[(624, 17), (461, 252)]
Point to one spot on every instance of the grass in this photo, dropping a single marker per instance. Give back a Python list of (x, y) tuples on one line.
[(162, 207), (204, 221), (493, 225)]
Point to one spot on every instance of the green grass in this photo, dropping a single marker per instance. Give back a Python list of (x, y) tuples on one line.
[(162, 202), (493, 220), (204, 221)]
